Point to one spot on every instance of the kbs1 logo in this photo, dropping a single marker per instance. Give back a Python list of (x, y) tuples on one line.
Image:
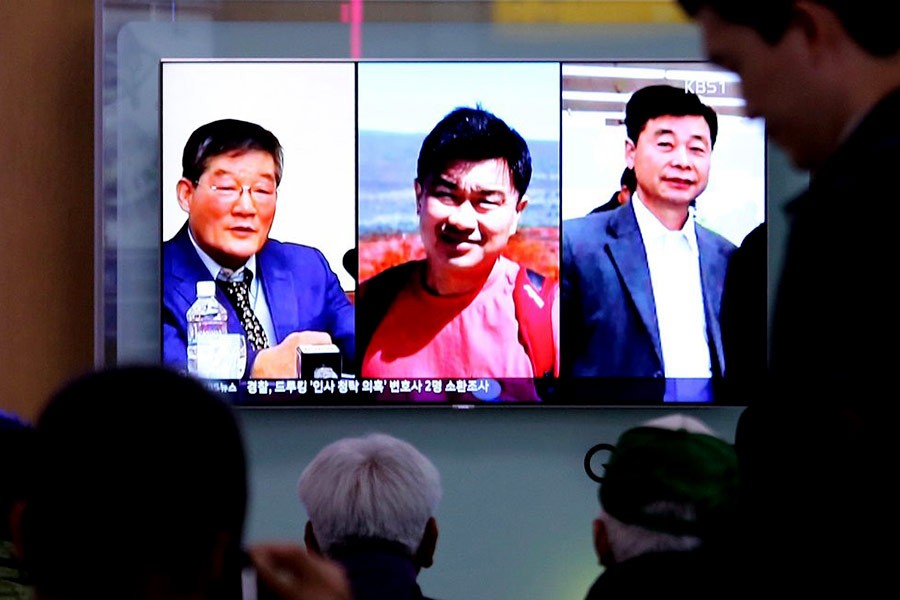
[(705, 87)]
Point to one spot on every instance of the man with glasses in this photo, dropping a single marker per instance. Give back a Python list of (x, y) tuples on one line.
[(229, 188)]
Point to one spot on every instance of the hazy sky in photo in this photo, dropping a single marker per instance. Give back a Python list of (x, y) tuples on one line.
[(406, 97)]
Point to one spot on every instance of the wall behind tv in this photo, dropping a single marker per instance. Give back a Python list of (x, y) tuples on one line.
[(515, 520), (46, 150)]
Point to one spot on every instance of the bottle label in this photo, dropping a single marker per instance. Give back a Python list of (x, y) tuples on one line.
[(221, 356)]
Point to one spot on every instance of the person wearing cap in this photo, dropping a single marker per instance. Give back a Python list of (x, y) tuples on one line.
[(642, 286), (668, 495)]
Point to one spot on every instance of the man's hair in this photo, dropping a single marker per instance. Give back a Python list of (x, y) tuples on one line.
[(371, 487), (656, 101), (869, 23), (628, 541), (474, 134), (224, 137), (139, 477)]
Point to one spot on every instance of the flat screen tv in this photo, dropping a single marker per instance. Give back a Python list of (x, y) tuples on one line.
[(350, 133)]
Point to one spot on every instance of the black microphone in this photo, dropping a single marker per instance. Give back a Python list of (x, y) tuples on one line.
[(351, 262)]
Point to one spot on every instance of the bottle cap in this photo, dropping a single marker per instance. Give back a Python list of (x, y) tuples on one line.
[(206, 288)]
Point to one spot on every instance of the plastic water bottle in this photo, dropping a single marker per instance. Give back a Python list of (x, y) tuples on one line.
[(206, 318)]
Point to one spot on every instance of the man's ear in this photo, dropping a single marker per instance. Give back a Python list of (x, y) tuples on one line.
[(185, 190), (821, 28), (629, 153), (418, 188), (522, 204), (601, 543), (520, 207), (309, 538), (424, 556)]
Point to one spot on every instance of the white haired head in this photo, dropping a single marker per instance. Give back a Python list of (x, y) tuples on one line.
[(376, 486)]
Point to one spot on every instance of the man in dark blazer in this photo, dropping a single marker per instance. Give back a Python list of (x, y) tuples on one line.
[(641, 286), (230, 174)]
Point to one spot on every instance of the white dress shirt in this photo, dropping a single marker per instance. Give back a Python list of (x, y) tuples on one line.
[(674, 262)]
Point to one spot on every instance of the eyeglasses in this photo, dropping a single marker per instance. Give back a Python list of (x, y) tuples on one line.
[(231, 192)]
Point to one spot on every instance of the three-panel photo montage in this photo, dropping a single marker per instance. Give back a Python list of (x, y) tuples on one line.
[(458, 233)]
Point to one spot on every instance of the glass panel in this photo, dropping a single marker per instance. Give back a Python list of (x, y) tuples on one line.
[(134, 36)]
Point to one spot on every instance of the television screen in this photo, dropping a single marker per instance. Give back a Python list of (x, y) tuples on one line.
[(397, 226)]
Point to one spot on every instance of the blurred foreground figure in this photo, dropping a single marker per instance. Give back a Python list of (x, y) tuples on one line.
[(816, 445), (138, 490)]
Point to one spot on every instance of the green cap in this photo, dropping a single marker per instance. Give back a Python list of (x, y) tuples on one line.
[(649, 465)]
